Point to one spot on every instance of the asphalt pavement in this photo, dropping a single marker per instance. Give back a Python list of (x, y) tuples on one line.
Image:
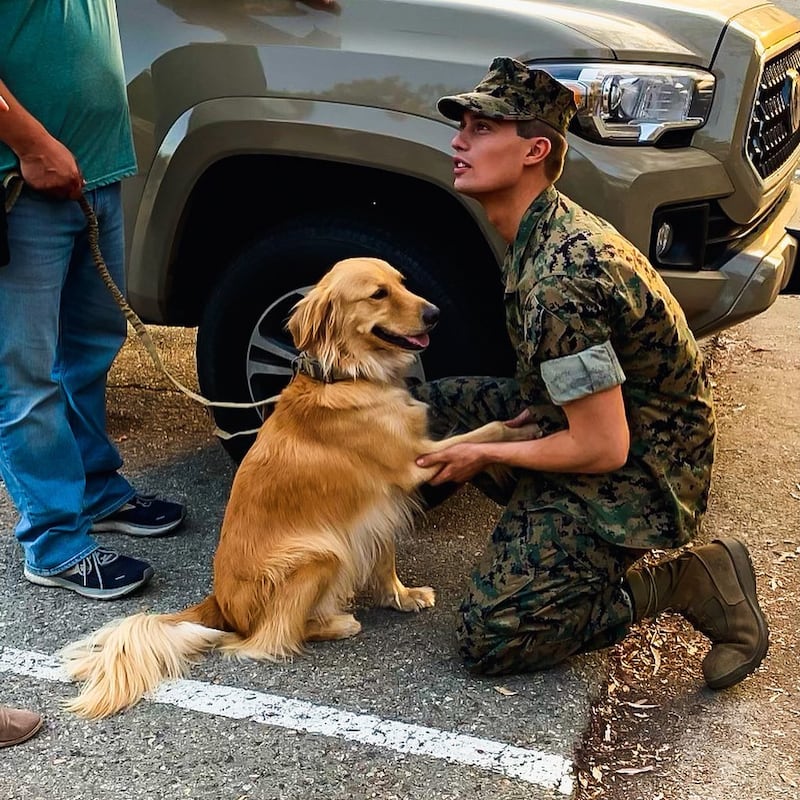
[(392, 714), (389, 714)]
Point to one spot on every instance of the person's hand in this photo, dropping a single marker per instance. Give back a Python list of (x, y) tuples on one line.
[(520, 420), (525, 422), (49, 167), (458, 463)]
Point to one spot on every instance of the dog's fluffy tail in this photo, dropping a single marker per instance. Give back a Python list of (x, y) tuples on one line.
[(125, 659)]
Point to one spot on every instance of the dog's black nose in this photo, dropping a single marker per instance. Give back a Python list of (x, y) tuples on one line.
[(430, 315)]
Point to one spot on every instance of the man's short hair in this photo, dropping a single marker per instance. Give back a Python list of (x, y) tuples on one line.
[(554, 162)]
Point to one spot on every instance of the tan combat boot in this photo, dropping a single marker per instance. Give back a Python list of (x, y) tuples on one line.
[(714, 587)]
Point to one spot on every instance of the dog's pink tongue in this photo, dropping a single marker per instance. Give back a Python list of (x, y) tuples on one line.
[(423, 340)]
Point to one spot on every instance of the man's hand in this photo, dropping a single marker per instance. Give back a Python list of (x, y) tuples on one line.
[(522, 419), (526, 423), (45, 164), (596, 440), (461, 462), (458, 463), (49, 167)]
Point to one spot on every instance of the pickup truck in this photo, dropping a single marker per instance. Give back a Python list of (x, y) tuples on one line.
[(276, 137)]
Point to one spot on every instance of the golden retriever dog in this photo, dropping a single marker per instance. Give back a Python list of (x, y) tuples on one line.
[(315, 505)]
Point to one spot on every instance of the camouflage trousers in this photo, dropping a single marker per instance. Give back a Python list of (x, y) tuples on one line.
[(547, 586)]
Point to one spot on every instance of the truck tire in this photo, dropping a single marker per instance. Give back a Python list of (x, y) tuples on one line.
[(243, 350)]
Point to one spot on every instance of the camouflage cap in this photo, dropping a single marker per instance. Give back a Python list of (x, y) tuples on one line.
[(510, 90)]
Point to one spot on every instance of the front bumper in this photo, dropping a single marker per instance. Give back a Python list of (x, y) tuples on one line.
[(750, 281)]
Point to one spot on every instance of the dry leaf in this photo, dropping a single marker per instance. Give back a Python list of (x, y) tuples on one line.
[(505, 692), (597, 774), (640, 704), (656, 660)]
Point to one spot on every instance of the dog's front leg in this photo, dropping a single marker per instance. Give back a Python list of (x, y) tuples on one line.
[(390, 592), (496, 431)]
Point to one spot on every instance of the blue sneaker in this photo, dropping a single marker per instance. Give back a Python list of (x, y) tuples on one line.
[(102, 575), (142, 515)]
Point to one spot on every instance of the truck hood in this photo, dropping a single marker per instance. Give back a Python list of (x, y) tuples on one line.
[(685, 31), (468, 33)]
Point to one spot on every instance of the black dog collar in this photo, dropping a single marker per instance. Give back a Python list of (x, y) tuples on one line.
[(305, 364)]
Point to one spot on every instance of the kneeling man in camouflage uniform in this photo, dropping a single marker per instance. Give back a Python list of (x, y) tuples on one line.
[(609, 370)]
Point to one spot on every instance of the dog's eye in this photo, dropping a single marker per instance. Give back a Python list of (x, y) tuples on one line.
[(379, 294)]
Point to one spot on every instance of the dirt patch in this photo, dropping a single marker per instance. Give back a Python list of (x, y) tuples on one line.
[(657, 733)]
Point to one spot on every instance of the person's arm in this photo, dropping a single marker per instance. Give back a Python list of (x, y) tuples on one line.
[(596, 440), (45, 163)]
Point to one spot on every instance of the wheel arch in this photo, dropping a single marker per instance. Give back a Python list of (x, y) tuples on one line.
[(229, 168)]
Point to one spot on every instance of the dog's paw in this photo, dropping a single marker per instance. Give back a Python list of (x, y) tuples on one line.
[(416, 598), (348, 626), (339, 626)]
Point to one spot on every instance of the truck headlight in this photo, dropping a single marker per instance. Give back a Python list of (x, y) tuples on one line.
[(635, 103)]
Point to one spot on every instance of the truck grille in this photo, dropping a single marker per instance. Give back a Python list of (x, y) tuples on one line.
[(772, 139)]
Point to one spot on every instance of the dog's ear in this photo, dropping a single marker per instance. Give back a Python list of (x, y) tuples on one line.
[(310, 321)]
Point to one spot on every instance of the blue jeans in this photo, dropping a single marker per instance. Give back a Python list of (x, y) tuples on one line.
[(60, 331)]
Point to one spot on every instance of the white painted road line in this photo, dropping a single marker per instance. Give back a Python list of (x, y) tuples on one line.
[(532, 766)]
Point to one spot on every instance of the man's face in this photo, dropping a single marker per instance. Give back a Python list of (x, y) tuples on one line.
[(490, 156)]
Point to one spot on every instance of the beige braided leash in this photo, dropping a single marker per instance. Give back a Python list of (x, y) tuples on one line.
[(143, 333)]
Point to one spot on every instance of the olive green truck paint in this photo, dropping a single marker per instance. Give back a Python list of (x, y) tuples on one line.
[(274, 138)]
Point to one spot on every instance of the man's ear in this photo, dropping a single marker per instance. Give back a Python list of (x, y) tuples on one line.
[(538, 150)]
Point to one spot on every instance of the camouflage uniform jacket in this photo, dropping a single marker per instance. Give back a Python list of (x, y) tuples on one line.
[(573, 284)]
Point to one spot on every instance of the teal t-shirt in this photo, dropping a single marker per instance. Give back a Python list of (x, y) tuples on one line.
[(62, 60)]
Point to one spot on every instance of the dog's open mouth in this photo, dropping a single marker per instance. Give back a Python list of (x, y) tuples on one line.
[(418, 341)]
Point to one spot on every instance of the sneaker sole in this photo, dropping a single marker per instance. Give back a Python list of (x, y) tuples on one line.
[(85, 591), (747, 580), (112, 526)]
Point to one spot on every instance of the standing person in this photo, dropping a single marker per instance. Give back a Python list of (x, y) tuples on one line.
[(608, 368), (18, 725), (66, 131)]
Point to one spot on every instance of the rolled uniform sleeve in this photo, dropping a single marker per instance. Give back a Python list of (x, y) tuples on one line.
[(569, 335), (578, 375)]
